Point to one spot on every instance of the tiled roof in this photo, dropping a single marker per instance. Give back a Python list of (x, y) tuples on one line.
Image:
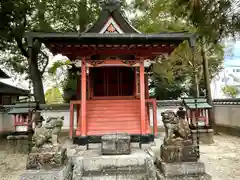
[(8, 89)]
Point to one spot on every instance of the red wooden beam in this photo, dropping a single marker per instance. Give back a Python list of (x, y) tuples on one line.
[(86, 50)]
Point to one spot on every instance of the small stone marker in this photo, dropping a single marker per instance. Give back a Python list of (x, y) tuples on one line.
[(18, 143), (116, 144)]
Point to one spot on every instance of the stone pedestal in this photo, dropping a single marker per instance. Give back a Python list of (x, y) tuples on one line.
[(136, 166), (18, 143), (47, 157), (116, 144), (175, 153), (182, 171), (61, 173)]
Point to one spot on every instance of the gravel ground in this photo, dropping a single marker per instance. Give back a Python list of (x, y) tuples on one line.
[(222, 159)]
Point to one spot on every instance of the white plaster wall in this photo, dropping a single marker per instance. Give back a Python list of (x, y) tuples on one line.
[(228, 115), (6, 123), (159, 111), (60, 113)]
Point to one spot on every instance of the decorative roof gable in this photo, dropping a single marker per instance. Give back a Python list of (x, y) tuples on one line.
[(111, 27), (111, 20)]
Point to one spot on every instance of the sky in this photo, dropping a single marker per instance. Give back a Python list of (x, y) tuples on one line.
[(233, 58)]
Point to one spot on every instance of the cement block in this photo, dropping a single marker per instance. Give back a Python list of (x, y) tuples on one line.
[(116, 144), (181, 168), (62, 173)]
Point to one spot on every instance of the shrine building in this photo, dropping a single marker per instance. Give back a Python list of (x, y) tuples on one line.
[(113, 94)]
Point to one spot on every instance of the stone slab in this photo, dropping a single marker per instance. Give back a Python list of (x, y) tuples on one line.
[(115, 166), (173, 153), (181, 168), (116, 144), (62, 173), (187, 177)]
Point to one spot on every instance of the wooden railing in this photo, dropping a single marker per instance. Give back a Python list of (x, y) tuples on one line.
[(154, 109), (72, 103), (20, 121)]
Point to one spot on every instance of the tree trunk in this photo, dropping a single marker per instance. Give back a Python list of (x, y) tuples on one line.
[(35, 76), (207, 87)]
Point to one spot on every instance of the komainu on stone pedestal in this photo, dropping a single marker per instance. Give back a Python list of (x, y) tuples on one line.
[(178, 145), (47, 152), (179, 156), (116, 144), (48, 159)]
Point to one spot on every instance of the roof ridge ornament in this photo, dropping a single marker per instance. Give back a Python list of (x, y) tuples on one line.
[(111, 5)]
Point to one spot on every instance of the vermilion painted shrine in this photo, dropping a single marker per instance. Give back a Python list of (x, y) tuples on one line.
[(113, 85)]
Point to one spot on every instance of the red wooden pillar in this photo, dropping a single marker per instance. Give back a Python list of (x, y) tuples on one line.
[(155, 125), (142, 97), (136, 82), (71, 120), (78, 98), (82, 125), (146, 87)]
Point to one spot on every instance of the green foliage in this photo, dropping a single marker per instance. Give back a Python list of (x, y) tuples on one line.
[(19, 16), (69, 85), (58, 64), (169, 15), (53, 96), (231, 91)]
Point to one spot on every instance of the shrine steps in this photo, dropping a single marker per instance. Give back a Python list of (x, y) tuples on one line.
[(114, 116)]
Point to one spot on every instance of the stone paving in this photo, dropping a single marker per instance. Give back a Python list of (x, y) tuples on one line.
[(222, 159)]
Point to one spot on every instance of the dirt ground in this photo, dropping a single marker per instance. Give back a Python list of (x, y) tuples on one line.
[(222, 159)]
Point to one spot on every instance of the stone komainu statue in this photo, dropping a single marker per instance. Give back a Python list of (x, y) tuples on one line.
[(48, 133), (176, 128)]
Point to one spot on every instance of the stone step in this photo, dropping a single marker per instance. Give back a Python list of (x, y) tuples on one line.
[(139, 176), (137, 166), (113, 162)]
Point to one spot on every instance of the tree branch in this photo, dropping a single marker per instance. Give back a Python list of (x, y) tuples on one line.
[(21, 47), (46, 64)]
